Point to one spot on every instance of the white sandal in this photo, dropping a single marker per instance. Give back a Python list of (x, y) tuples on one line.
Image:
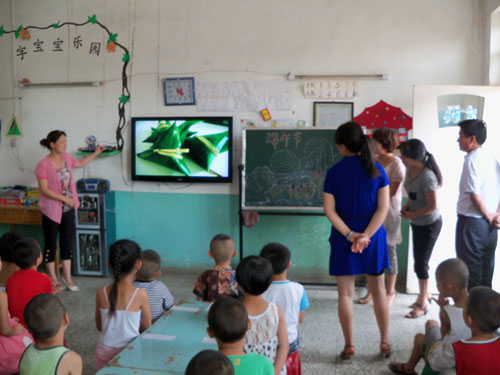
[(71, 288)]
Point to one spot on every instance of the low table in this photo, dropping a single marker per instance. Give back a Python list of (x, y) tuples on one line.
[(168, 345)]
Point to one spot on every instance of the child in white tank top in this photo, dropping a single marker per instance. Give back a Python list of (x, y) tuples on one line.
[(122, 310)]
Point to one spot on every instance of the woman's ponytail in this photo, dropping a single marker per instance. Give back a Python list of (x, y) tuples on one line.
[(52, 137), (366, 156), (415, 149), (430, 162), (352, 137)]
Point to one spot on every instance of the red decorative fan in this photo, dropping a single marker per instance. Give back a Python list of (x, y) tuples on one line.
[(383, 115)]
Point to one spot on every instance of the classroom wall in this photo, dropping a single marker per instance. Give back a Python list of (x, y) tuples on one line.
[(442, 143), (424, 42)]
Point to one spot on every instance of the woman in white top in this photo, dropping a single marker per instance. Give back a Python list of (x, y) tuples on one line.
[(385, 141)]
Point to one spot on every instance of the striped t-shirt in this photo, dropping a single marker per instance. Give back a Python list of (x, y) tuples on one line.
[(160, 298)]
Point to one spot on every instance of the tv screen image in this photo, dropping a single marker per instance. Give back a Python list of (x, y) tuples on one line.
[(186, 149)]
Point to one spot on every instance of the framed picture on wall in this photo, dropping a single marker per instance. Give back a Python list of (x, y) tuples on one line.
[(332, 114)]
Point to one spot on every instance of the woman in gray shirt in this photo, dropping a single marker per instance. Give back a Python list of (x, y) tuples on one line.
[(423, 178)]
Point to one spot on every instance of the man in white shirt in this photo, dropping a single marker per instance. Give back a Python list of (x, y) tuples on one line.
[(478, 204)]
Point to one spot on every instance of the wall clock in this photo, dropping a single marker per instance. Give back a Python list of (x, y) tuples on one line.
[(179, 91)]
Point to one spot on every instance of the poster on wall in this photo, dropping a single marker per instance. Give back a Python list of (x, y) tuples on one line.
[(244, 96), (454, 108), (331, 90), (332, 114)]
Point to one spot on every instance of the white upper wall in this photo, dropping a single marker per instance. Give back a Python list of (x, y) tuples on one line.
[(414, 42)]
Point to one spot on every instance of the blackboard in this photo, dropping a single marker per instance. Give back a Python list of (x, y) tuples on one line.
[(285, 168)]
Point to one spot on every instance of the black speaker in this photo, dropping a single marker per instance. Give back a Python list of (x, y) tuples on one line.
[(93, 185), (80, 186)]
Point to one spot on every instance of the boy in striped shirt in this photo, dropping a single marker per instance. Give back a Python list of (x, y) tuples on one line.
[(159, 296)]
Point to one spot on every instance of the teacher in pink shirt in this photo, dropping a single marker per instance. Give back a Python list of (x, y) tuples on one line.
[(58, 202)]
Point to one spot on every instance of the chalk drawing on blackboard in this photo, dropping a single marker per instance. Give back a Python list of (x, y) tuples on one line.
[(292, 179)]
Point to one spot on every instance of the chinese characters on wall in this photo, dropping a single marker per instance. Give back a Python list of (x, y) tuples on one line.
[(94, 48)]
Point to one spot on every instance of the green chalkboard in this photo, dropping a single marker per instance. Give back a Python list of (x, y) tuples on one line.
[(285, 168)]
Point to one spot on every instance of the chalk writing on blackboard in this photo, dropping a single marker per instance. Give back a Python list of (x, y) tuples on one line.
[(276, 138), (285, 169)]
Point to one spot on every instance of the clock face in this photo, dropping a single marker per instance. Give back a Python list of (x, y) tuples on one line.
[(179, 91)]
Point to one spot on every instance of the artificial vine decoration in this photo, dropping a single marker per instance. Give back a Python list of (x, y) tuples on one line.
[(112, 43)]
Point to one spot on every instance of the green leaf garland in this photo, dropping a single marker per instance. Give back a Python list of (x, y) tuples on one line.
[(112, 38), (18, 31)]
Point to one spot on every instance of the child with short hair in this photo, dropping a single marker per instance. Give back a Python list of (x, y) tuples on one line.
[(7, 256), (13, 338), (228, 322), (26, 283), (122, 311), (47, 320), (160, 298), (267, 334), (218, 281), (209, 362), (479, 354), (435, 347), (289, 295)]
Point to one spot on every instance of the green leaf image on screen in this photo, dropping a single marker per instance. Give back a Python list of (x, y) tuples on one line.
[(204, 149), (166, 149), (174, 145), (163, 126)]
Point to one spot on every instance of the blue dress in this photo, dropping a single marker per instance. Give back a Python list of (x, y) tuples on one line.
[(355, 194)]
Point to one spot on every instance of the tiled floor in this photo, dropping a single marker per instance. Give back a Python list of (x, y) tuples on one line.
[(322, 336)]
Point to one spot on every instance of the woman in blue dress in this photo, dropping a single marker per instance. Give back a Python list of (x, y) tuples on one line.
[(356, 202)]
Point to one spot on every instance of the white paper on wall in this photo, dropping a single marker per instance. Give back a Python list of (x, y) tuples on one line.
[(244, 96), (330, 89)]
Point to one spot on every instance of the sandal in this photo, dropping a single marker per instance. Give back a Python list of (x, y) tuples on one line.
[(348, 352), (399, 368), (385, 350), (418, 311), (71, 288), (364, 300), (414, 304)]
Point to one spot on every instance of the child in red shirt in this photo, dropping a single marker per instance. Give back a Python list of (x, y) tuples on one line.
[(26, 283), (479, 354)]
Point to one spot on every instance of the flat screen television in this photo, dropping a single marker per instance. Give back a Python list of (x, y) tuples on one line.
[(182, 149)]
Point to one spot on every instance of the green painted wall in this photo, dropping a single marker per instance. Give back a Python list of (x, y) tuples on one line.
[(30, 230), (180, 226)]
